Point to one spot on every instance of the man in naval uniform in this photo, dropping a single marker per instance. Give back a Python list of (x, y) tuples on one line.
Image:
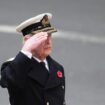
[(33, 77)]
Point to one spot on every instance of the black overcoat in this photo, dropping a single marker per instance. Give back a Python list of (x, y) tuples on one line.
[(29, 83)]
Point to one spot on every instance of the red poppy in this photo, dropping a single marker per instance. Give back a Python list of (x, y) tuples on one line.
[(59, 74)]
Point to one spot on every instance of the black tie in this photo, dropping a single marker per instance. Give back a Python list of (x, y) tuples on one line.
[(42, 63)]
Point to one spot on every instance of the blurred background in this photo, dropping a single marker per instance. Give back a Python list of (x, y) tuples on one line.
[(79, 44)]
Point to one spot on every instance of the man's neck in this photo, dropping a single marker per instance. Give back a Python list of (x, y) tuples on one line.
[(39, 59)]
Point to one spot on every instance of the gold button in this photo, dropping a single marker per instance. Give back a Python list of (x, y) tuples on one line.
[(47, 103), (63, 87)]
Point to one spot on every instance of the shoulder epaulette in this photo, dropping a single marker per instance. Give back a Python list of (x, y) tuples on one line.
[(10, 59)]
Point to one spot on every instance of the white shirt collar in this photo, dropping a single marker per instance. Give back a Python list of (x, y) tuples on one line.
[(45, 61), (38, 60)]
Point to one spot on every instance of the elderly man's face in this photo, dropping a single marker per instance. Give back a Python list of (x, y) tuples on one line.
[(44, 48)]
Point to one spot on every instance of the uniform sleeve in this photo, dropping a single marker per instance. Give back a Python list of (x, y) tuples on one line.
[(14, 73)]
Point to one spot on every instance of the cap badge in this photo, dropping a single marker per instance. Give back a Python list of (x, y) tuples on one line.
[(59, 74), (45, 21)]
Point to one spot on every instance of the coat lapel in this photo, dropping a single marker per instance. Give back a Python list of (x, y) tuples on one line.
[(38, 73), (54, 78), (43, 77)]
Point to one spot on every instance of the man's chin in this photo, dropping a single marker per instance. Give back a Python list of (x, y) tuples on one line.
[(48, 53)]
